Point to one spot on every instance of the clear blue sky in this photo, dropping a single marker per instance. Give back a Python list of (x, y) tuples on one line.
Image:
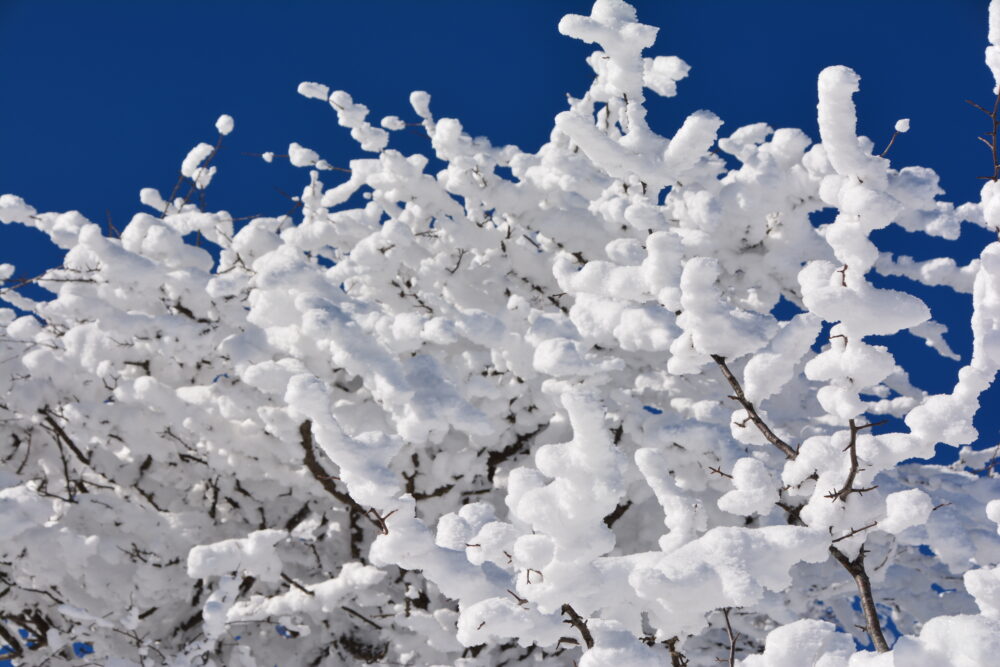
[(102, 98)]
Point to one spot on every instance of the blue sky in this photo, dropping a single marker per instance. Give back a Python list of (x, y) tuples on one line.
[(103, 98)]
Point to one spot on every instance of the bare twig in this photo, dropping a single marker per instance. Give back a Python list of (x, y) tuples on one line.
[(618, 512), (732, 639), (461, 254), (741, 398), (677, 659), (361, 616), (852, 450), (856, 568), (520, 600), (521, 442), (379, 519), (291, 582), (62, 438), (111, 226), (319, 474), (991, 143), (15, 646), (581, 625), (855, 531), (891, 142)]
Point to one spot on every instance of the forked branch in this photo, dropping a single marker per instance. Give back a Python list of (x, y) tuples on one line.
[(852, 449), (733, 636), (991, 142)]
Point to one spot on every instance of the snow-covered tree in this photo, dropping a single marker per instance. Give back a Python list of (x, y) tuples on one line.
[(617, 402)]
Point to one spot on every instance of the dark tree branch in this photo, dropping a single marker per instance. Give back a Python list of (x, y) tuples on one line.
[(64, 437), (991, 143), (320, 475), (361, 616), (732, 638), (855, 532), (581, 625), (619, 511), (521, 442), (891, 142), (15, 646), (677, 659), (852, 450), (856, 568), (291, 582), (461, 254), (297, 518), (741, 398)]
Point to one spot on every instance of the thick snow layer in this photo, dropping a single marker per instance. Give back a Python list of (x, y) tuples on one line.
[(254, 554), (804, 642), (489, 406), (300, 156), (224, 124), (194, 159), (905, 509), (754, 489)]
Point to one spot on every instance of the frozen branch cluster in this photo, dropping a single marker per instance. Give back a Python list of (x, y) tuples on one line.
[(497, 407)]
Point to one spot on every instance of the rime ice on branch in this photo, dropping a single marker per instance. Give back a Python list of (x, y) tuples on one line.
[(483, 419)]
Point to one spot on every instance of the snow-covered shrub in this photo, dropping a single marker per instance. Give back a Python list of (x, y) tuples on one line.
[(460, 418)]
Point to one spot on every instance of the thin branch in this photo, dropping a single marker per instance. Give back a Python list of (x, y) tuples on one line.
[(618, 512), (732, 638), (379, 519), (319, 474), (581, 625), (520, 444), (891, 142), (461, 254), (856, 568), (15, 646), (741, 398), (364, 618), (855, 531), (992, 142), (521, 602), (64, 437), (852, 450), (291, 582), (677, 659)]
